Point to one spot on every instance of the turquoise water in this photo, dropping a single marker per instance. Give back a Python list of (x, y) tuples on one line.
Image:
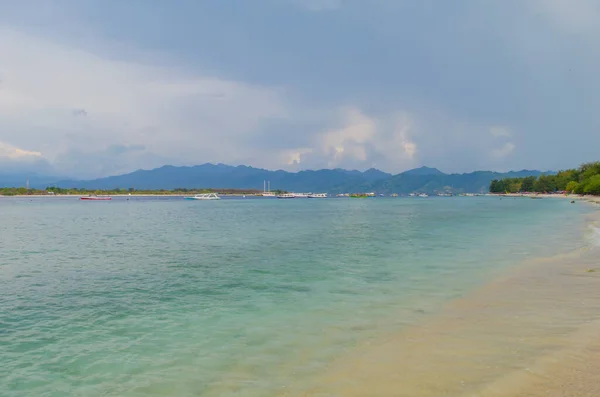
[(239, 297)]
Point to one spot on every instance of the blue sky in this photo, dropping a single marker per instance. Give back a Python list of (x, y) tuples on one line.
[(98, 87)]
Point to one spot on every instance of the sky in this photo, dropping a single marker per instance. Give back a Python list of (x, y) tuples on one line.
[(91, 88)]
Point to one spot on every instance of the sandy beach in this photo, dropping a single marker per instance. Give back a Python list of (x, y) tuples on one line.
[(533, 332), (591, 199)]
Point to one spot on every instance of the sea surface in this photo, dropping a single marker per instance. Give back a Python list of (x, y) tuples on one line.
[(250, 297)]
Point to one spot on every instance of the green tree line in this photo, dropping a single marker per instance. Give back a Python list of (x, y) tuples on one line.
[(583, 180)]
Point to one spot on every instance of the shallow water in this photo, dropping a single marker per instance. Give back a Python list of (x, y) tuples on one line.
[(166, 297)]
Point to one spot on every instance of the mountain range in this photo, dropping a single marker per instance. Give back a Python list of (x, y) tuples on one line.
[(219, 176), (21, 179)]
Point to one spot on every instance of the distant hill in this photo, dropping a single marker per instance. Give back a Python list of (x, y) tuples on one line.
[(225, 176), (423, 171), (423, 179), (432, 182), (373, 174), (36, 181)]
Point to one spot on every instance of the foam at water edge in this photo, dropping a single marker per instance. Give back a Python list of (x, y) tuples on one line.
[(594, 236)]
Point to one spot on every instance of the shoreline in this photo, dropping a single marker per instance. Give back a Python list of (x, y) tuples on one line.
[(531, 332), (588, 198), (76, 196)]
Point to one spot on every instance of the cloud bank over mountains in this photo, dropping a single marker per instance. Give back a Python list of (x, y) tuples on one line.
[(98, 88)]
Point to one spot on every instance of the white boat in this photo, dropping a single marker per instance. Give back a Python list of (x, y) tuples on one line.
[(317, 195), (412, 194), (204, 196), (268, 194), (301, 195), (423, 195), (286, 196)]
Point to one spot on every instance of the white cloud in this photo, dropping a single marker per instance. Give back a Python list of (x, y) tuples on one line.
[(73, 106), (504, 151), (348, 142), (360, 141), (502, 134), (295, 157), (399, 143), (48, 87), (76, 107), (14, 153)]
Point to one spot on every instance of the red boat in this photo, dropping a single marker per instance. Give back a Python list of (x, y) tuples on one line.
[(95, 198)]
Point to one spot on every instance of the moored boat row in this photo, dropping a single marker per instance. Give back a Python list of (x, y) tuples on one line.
[(286, 195), (302, 195)]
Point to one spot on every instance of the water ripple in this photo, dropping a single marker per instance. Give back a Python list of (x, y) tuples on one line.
[(166, 297)]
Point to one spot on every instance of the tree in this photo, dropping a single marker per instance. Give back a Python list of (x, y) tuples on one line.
[(588, 170), (513, 185), (527, 184), (564, 177), (545, 184), (496, 186), (593, 185), (571, 187)]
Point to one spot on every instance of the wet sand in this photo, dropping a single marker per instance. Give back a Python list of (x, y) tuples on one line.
[(533, 332), (587, 198)]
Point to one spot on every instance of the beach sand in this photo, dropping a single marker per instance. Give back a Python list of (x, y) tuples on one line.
[(533, 332), (591, 199)]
